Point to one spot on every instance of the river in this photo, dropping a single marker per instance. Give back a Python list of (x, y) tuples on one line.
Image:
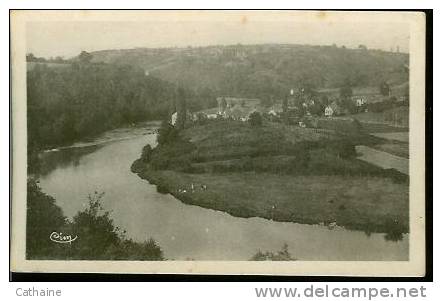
[(187, 232)]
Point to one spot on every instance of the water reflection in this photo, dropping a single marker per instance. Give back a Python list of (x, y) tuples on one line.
[(51, 160), (191, 232)]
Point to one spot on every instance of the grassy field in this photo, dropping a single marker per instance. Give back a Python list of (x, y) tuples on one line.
[(392, 120), (394, 148), (362, 203), (281, 173)]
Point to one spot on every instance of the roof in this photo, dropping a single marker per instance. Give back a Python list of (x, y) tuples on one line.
[(210, 111)]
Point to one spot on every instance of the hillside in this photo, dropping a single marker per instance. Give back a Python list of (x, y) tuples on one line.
[(71, 102), (277, 172), (265, 70)]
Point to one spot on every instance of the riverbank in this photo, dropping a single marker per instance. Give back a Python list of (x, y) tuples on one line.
[(282, 174)]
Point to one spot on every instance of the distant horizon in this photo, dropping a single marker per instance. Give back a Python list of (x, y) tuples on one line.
[(220, 45), (68, 38)]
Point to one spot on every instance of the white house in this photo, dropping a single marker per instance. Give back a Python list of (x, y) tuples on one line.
[(360, 102), (174, 118), (212, 116), (328, 111), (273, 113)]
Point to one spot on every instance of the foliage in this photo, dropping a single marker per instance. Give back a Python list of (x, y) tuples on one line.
[(232, 147), (346, 91), (317, 108), (43, 217), (395, 229), (281, 255), (84, 99), (166, 133), (97, 236), (382, 106), (255, 119), (181, 108), (85, 57), (146, 153), (384, 88), (266, 70)]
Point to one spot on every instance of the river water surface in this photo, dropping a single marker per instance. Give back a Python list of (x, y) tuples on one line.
[(186, 231)]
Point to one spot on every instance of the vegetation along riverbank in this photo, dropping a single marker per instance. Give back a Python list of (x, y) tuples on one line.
[(92, 232), (278, 172)]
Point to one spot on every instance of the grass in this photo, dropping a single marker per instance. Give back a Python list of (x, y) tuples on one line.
[(395, 148), (361, 203), (392, 120), (277, 172)]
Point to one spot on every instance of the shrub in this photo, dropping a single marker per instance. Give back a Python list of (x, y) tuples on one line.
[(42, 218), (346, 150), (255, 119), (176, 154), (395, 228), (95, 229), (166, 133), (146, 153), (97, 236), (281, 255)]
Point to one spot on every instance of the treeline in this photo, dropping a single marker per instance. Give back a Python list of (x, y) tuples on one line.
[(260, 149), (266, 71), (97, 236), (85, 99)]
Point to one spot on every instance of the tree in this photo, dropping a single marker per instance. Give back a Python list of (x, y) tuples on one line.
[(285, 110), (317, 108), (59, 59), (181, 108), (85, 57), (346, 91), (67, 104), (255, 119), (97, 236), (223, 104), (30, 57), (166, 133), (43, 216), (384, 89), (281, 255)]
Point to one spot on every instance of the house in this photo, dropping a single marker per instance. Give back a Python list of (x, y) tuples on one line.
[(212, 113), (212, 116), (174, 118), (360, 102), (237, 112), (328, 111), (189, 116), (273, 113), (336, 110)]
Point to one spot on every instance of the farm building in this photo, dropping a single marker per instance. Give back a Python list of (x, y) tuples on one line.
[(328, 111)]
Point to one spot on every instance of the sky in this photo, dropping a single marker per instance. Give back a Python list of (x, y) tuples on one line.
[(69, 38)]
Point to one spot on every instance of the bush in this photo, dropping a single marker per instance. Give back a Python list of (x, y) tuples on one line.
[(166, 133), (255, 119), (42, 218), (395, 228), (346, 150), (174, 154), (281, 255), (146, 153), (97, 236)]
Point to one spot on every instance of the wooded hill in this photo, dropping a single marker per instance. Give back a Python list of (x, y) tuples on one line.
[(265, 70), (80, 100)]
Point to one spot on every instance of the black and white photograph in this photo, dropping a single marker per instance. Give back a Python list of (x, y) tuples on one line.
[(218, 142)]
